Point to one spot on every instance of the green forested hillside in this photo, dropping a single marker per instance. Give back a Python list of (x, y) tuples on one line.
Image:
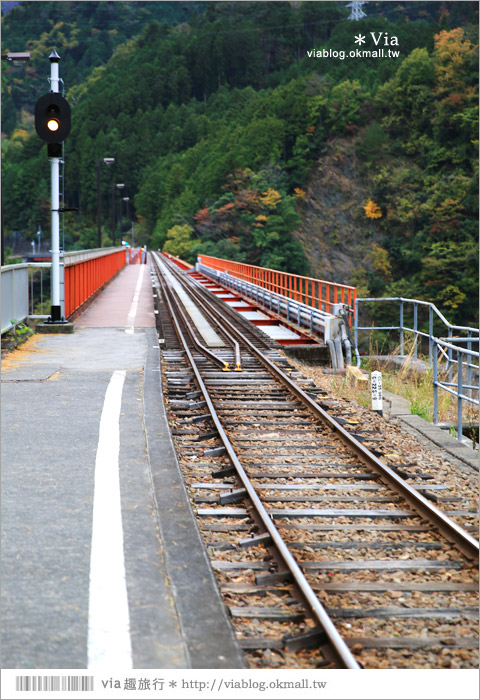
[(217, 126), (85, 34)]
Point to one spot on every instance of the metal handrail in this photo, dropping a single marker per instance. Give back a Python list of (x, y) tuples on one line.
[(445, 386), (17, 296), (421, 303), (320, 294), (16, 299), (302, 314), (443, 345)]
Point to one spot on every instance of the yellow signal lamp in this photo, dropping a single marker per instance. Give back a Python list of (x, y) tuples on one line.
[(53, 124)]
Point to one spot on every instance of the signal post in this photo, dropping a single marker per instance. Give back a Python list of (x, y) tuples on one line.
[(52, 123)]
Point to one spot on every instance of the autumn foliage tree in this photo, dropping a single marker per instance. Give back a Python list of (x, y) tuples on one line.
[(256, 218)]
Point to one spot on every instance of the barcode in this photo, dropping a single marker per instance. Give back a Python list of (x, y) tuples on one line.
[(52, 683)]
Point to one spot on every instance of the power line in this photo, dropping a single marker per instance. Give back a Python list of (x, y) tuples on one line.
[(114, 20)]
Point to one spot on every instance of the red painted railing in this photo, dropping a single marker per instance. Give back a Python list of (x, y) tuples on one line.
[(135, 256), (320, 294), (85, 277), (178, 261)]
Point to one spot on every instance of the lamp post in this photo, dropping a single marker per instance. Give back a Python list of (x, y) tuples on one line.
[(107, 161), (113, 213), (18, 59), (127, 200), (120, 186)]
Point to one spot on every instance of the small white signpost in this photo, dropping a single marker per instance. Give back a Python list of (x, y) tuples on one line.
[(376, 387)]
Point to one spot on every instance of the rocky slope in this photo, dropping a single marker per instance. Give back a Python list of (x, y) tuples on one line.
[(335, 232)]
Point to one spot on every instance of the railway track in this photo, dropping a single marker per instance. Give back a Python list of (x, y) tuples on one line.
[(325, 556)]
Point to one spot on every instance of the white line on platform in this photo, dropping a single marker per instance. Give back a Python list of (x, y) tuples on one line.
[(109, 643), (136, 296)]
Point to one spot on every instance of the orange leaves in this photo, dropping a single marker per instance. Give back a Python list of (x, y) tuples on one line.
[(261, 219), (372, 210), (452, 42), (452, 51), (20, 134), (298, 192), (226, 209), (247, 199), (270, 198), (201, 215)]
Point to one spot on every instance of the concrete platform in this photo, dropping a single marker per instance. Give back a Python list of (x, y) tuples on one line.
[(94, 572), (398, 407)]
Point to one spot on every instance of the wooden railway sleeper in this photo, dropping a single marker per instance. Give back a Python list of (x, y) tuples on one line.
[(450, 529)]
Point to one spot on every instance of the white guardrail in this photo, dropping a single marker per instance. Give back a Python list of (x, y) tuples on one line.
[(14, 279), (17, 287)]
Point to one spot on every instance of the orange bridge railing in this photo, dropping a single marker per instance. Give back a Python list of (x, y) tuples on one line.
[(178, 261), (319, 294), (87, 271)]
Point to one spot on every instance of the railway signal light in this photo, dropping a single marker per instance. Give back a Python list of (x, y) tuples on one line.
[(52, 118)]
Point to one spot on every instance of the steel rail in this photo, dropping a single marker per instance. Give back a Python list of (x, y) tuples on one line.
[(205, 351), (342, 652), (467, 544), (209, 313), (193, 288)]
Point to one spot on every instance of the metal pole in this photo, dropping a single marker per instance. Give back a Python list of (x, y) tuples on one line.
[(355, 333), (401, 330), (430, 334), (450, 357), (120, 186), (120, 217), (435, 386), (30, 301), (415, 325), (469, 364), (55, 197), (99, 231), (459, 399), (55, 310), (113, 213), (2, 243)]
